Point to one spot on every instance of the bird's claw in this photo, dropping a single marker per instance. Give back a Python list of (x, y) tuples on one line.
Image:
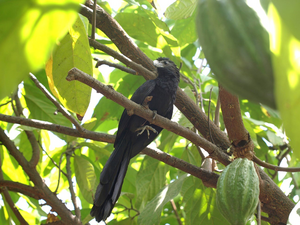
[(146, 127)]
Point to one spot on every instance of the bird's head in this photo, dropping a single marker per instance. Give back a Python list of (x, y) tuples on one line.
[(165, 67)]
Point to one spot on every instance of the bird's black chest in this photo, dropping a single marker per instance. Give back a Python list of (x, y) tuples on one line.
[(161, 101)]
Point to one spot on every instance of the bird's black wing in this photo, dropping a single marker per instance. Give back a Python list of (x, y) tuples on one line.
[(138, 97)]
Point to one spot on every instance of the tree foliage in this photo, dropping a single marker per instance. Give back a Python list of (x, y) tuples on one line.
[(51, 161)]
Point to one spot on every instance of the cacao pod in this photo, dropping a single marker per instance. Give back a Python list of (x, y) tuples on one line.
[(236, 46), (238, 191)]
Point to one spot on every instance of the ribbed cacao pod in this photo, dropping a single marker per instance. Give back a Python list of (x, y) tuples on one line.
[(238, 191), (236, 46)]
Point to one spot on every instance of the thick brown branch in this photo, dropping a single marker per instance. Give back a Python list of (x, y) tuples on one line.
[(22, 188), (209, 178), (232, 117)]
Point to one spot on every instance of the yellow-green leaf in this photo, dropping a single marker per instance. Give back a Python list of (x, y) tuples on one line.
[(285, 49), (28, 31), (85, 177), (72, 51)]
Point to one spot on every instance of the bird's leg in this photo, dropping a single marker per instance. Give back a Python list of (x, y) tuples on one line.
[(146, 127), (146, 101)]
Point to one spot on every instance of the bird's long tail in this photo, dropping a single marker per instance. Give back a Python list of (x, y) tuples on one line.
[(111, 180)]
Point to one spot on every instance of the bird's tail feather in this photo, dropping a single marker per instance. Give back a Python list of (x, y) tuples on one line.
[(111, 180)]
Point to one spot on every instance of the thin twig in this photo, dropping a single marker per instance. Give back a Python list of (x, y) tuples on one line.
[(175, 211), (275, 168), (59, 169), (59, 107), (120, 67), (30, 135), (55, 164), (140, 70), (6, 103), (69, 175)]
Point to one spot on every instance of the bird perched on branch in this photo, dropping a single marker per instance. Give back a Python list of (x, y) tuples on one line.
[(135, 133)]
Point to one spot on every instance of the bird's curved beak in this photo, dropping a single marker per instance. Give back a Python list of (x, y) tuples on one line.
[(157, 63)]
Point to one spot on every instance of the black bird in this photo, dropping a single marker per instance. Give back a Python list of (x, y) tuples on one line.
[(135, 133)]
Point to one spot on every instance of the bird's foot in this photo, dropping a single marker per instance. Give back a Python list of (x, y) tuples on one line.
[(146, 127)]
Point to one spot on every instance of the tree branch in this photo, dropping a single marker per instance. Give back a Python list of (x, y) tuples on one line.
[(128, 62), (22, 188), (69, 176), (30, 135), (208, 178), (120, 67), (58, 128)]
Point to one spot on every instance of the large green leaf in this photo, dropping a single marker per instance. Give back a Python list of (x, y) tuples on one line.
[(185, 30), (138, 27), (152, 211), (285, 47), (85, 177), (72, 51), (200, 207), (29, 29), (181, 9), (150, 179)]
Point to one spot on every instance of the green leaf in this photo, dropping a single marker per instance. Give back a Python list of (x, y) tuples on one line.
[(40, 107), (181, 9), (185, 30), (28, 35), (150, 179), (285, 49), (138, 27), (287, 13), (152, 211), (72, 51), (200, 207), (85, 177)]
